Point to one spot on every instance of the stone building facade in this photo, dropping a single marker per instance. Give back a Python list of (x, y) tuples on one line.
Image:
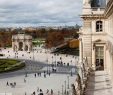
[(96, 35), (22, 42)]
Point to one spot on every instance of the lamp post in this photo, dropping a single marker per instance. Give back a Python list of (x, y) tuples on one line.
[(55, 59), (52, 63), (65, 87), (71, 69), (58, 92), (25, 72), (62, 89), (15, 55), (52, 59), (71, 62), (68, 82), (33, 55), (47, 65), (61, 59)]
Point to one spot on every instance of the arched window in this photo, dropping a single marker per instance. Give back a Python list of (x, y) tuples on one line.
[(99, 26)]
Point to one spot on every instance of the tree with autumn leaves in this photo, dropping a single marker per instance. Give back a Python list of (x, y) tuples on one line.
[(54, 39), (5, 39)]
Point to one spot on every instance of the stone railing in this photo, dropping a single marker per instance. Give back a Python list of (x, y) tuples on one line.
[(82, 78), (98, 8)]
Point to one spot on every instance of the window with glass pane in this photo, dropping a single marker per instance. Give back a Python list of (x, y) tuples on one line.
[(99, 52), (99, 57), (99, 26)]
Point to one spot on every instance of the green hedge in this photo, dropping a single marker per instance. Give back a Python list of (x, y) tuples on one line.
[(7, 65)]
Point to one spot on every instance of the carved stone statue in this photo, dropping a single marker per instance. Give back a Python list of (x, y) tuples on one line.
[(86, 1)]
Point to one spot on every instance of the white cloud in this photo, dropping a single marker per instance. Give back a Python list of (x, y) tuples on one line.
[(39, 12)]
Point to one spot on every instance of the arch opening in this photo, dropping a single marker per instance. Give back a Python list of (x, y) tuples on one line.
[(26, 47), (21, 46)]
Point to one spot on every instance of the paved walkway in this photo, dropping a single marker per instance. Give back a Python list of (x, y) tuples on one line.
[(99, 84)]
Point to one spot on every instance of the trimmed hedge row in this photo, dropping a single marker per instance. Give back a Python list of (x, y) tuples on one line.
[(5, 67), (7, 62)]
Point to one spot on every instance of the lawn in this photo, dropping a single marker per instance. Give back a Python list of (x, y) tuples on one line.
[(38, 42)]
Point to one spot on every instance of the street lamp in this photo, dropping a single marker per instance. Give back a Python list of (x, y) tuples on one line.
[(47, 65), (76, 61), (61, 61), (25, 72), (71, 62), (62, 89), (15, 54), (65, 87), (68, 82), (55, 59), (58, 92), (52, 63), (33, 55), (71, 69), (52, 59)]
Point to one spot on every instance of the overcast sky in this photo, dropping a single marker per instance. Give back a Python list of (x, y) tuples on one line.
[(39, 12)]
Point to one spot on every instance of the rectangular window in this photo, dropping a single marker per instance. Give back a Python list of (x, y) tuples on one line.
[(99, 26), (99, 52)]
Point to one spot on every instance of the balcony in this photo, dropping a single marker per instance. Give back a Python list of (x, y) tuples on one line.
[(98, 10)]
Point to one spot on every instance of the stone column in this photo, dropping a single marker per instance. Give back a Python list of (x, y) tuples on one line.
[(93, 58), (24, 43)]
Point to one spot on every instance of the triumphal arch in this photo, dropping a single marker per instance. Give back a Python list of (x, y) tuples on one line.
[(22, 42)]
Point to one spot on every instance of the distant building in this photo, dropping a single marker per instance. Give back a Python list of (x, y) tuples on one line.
[(96, 35), (22, 42)]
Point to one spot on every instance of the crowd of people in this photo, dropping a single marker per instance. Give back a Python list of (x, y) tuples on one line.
[(11, 84), (40, 92)]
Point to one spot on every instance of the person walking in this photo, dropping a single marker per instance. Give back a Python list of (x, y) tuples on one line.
[(24, 80), (41, 92), (37, 89), (47, 91), (14, 84), (51, 92), (34, 93), (35, 75), (49, 73), (25, 93), (7, 83), (44, 75)]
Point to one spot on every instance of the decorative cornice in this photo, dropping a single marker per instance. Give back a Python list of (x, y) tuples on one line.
[(93, 16), (99, 41)]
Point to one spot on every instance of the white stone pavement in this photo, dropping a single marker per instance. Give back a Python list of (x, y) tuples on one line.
[(99, 84), (55, 81)]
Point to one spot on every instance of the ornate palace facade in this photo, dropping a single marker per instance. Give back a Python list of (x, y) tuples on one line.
[(96, 35)]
